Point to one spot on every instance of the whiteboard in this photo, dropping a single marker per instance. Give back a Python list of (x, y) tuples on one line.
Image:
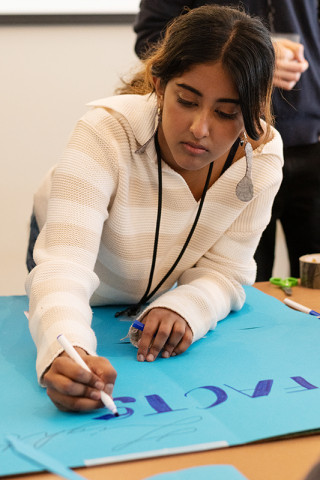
[(68, 7)]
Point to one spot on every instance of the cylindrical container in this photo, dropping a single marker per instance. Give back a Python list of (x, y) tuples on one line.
[(310, 270)]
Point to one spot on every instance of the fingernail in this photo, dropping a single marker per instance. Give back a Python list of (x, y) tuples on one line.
[(95, 395), (99, 385), (140, 358), (150, 357), (173, 354), (165, 354), (109, 388)]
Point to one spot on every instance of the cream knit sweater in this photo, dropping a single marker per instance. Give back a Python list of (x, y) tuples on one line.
[(97, 213)]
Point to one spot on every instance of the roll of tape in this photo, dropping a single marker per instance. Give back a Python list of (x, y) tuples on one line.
[(310, 270)]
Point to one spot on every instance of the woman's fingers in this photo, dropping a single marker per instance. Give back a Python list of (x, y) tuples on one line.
[(148, 337), (177, 334), (104, 371), (185, 342), (66, 402), (71, 387), (181, 347), (164, 331)]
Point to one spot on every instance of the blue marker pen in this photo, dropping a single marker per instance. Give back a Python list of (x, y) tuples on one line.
[(138, 325)]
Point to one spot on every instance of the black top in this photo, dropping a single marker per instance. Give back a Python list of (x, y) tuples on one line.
[(297, 111)]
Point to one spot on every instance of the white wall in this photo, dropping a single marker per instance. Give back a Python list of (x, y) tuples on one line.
[(281, 266), (48, 74)]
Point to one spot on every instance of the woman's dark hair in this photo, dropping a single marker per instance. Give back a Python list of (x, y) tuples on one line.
[(211, 34)]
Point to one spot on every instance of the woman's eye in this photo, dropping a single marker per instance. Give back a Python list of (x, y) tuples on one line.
[(186, 103), (228, 116)]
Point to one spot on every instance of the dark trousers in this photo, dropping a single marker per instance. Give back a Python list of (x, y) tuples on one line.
[(297, 206)]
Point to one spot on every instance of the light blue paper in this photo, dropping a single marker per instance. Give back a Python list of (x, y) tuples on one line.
[(206, 472), (36, 455), (256, 376)]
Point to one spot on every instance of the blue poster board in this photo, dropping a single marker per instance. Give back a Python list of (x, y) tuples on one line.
[(256, 376)]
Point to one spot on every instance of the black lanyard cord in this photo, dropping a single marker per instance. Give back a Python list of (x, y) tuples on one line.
[(145, 296), (188, 237)]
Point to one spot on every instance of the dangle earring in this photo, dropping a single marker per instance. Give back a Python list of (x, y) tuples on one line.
[(156, 125), (244, 189), (159, 113)]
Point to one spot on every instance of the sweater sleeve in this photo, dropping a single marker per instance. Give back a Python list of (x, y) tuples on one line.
[(211, 289), (60, 286)]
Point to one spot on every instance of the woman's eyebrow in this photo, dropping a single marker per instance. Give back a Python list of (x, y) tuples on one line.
[(196, 92), (191, 89)]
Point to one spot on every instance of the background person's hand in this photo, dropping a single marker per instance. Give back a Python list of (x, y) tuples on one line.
[(164, 331), (72, 388), (290, 63)]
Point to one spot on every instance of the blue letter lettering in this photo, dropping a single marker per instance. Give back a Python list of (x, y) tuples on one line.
[(219, 393), (159, 405), (262, 389)]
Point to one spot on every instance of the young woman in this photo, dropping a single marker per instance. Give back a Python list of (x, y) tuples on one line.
[(158, 187)]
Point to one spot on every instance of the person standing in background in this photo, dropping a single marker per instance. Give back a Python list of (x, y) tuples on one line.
[(294, 25)]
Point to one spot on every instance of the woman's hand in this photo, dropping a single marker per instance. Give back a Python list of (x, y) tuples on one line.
[(290, 63), (70, 387), (164, 330)]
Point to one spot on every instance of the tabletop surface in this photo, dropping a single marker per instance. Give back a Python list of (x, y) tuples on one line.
[(286, 459)]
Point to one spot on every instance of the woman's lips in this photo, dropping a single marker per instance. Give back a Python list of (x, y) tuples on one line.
[(194, 148)]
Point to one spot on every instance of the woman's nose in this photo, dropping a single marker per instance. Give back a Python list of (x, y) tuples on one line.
[(200, 125)]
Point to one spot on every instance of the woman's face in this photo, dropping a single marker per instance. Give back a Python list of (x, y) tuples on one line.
[(201, 117)]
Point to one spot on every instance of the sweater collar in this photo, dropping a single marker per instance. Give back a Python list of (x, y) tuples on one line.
[(140, 111)]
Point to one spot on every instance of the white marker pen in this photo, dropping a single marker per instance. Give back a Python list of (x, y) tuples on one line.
[(70, 350), (301, 308)]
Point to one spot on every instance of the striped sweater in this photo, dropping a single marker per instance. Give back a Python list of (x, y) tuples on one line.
[(97, 212)]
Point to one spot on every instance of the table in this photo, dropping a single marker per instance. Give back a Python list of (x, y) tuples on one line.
[(286, 459)]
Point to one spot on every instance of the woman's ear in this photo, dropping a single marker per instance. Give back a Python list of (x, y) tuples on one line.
[(158, 86)]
